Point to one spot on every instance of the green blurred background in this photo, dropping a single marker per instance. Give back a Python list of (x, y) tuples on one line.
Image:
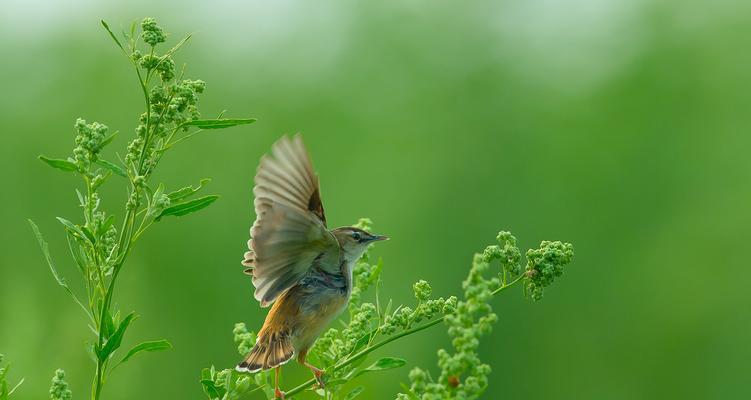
[(621, 126)]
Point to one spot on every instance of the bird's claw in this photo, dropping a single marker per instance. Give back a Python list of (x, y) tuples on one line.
[(318, 374), (278, 394)]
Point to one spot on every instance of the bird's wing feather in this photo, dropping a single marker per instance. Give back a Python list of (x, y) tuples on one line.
[(290, 228)]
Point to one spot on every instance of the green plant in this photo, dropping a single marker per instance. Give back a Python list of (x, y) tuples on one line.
[(98, 246), (59, 389), (5, 389), (462, 374)]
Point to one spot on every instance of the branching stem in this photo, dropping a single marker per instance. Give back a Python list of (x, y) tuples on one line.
[(362, 353)]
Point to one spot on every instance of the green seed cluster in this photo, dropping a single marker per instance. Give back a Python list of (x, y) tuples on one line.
[(171, 103), (89, 141), (463, 375), (152, 33), (405, 317), (506, 252), (364, 274), (103, 228), (229, 384), (544, 265), (59, 389), (244, 340)]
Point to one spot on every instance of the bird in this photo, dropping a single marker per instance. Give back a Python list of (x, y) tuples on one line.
[(296, 263)]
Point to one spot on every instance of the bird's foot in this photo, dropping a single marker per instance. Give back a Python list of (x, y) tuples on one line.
[(278, 394), (318, 374)]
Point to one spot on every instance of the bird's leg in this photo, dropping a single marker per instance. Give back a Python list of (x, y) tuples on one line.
[(316, 372), (277, 393)]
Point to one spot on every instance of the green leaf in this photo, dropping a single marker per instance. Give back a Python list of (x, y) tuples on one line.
[(364, 340), (91, 350), (60, 280), (153, 210), (383, 364), (16, 387), (156, 345), (187, 191), (118, 170), (188, 207), (100, 182), (78, 256), (109, 139), (74, 229), (207, 381), (109, 325), (104, 24), (219, 123), (89, 235), (113, 343), (64, 165), (409, 392), (354, 393)]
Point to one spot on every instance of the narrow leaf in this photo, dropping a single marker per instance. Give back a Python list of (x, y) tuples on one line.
[(91, 349), (109, 139), (73, 228), (364, 340), (354, 393), (64, 165), (78, 256), (410, 393), (17, 386), (187, 191), (60, 280), (188, 207), (156, 345), (219, 123), (108, 328), (383, 364), (104, 24), (113, 343), (100, 182), (118, 170), (89, 235)]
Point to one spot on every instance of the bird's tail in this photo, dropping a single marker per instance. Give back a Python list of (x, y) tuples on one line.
[(271, 350)]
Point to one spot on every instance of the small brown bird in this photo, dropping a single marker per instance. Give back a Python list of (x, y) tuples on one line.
[(295, 261)]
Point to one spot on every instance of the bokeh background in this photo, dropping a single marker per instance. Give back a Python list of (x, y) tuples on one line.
[(621, 126)]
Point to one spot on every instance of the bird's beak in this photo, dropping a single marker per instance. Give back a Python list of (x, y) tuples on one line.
[(376, 238)]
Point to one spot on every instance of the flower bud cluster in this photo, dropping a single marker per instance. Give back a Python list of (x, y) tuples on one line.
[(107, 233), (506, 252), (463, 375), (59, 389), (171, 103), (89, 139), (544, 265), (244, 340), (364, 274), (152, 32), (359, 325), (427, 308)]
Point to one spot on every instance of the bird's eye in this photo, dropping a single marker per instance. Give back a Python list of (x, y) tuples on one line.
[(356, 236)]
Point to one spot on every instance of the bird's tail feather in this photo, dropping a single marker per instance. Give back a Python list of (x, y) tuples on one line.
[(271, 350)]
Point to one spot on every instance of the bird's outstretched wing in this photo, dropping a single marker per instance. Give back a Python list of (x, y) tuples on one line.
[(289, 233)]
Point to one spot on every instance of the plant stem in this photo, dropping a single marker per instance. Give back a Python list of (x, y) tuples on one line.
[(362, 353), (98, 381)]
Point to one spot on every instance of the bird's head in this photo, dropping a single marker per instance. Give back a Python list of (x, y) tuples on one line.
[(353, 241)]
